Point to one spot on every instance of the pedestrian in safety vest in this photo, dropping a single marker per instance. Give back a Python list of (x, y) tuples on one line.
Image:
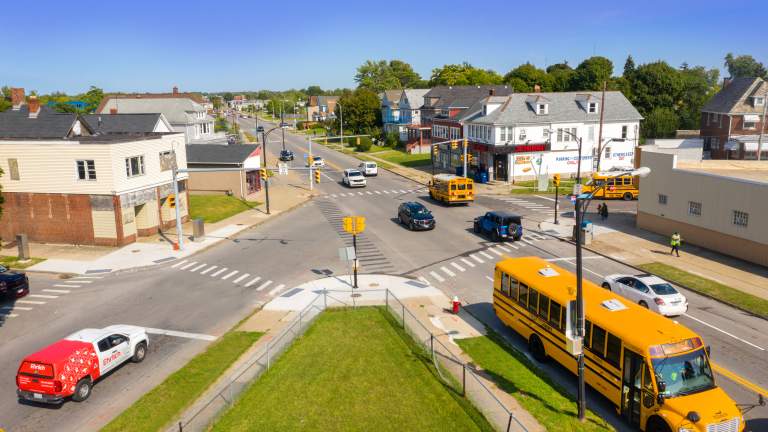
[(675, 243)]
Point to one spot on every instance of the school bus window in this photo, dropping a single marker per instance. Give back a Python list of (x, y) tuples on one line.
[(544, 306), (554, 314), (647, 381), (462, 187), (627, 181), (523, 294), (598, 340), (453, 186), (469, 186), (505, 284), (613, 353), (587, 332), (533, 300), (512, 288), (611, 182)]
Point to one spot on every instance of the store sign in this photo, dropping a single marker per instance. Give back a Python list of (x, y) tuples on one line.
[(530, 148)]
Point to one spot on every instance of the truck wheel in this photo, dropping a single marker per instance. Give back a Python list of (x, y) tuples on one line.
[(139, 353), (627, 196), (82, 390)]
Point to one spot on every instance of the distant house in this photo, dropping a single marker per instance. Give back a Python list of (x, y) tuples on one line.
[(733, 120), (126, 124), (241, 184), (390, 113), (321, 108)]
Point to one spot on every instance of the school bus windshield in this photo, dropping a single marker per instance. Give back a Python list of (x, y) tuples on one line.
[(684, 374)]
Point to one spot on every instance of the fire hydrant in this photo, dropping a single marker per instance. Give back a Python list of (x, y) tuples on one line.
[(455, 304)]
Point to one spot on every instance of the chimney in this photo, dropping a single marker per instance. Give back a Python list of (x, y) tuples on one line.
[(34, 107), (727, 82), (491, 92), (175, 90), (113, 110), (536, 88), (17, 98)]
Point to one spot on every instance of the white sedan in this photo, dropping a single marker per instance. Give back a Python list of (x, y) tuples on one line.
[(648, 291), (353, 178), (316, 162)]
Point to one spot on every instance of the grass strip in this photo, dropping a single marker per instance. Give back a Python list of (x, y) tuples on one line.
[(157, 408), (714, 289), (548, 402), (213, 208), (350, 371), (13, 262)]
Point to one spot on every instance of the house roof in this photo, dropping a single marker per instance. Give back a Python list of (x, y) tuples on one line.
[(415, 97), (176, 110), (461, 96), (392, 96), (122, 123), (733, 97), (563, 107), (48, 123), (234, 154), (196, 97)]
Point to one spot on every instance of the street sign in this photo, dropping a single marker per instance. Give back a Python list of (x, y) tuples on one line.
[(573, 199), (347, 253), (282, 168), (577, 188), (354, 224)]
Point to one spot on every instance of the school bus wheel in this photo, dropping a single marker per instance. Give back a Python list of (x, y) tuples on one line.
[(536, 347), (628, 196)]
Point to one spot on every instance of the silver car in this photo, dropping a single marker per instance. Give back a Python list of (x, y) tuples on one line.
[(648, 291)]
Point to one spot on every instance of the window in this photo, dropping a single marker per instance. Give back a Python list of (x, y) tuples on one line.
[(759, 101), (134, 166), (104, 344), (607, 152), (533, 300), (624, 130), (522, 135), (740, 218), (523, 294), (546, 133), (542, 109), (613, 352), (662, 199), (559, 134), (512, 288), (13, 167), (587, 332), (86, 170), (694, 208), (598, 340), (591, 133), (544, 307), (503, 133), (505, 284), (749, 123), (166, 160), (592, 107), (554, 314)]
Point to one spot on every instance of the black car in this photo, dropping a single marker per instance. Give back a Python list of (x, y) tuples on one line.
[(259, 129), (286, 155), (13, 284), (415, 216)]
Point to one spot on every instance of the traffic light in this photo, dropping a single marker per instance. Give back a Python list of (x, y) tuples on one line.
[(317, 176), (359, 224), (172, 201), (556, 180), (466, 142), (263, 173), (454, 144), (469, 157), (435, 149)]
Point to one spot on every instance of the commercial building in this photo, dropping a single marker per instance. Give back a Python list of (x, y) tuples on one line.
[(241, 182)]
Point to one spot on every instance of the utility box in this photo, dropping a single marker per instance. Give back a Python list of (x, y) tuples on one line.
[(587, 232), (23, 243), (198, 229)]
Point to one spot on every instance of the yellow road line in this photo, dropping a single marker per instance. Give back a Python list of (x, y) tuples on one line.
[(327, 162), (739, 380)]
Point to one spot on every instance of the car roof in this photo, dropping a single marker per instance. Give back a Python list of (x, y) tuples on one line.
[(650, 279), (504, 214), (88, 335), (414, 204), (57, 352)]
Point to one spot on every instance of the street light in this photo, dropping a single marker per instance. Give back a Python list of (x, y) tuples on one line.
[(341, 123), (587, 198), (264, 136)]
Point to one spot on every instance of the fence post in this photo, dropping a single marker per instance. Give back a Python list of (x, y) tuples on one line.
[(180, 427), (432, 345), (509, 422), (386, 298), (325, 299), (464, 380), (403, 317)]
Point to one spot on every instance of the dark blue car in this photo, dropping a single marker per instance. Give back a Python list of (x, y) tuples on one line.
[(500, 225), (13, 284), (415, 216)]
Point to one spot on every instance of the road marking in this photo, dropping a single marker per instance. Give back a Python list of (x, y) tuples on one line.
[(88, 277), (369, 192), (242, 276), (234, 272), (504, 249), (218, 272), (57, 291), (45, 296), (489, 278), (448, 272), (360, 193), (180, 263), (495, 251), (403, 191), (78, 282), (467, 262), (386, 192), (35, 302), (377, 192), (198, 267), (10, 315), (573, 258), (264, 285), (546, 198), (333, 195), (490, 257), (188, 265), (66, 286), (513, 246), (423, 280), (724, 332), (476, 258), (436, 276), (277, 290), (180, 334), (457, 267), (527, 241), (207, 270), (256, 279), (738, 380), (10, 308)]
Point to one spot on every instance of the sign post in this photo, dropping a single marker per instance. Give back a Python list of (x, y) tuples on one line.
[(354, 225)]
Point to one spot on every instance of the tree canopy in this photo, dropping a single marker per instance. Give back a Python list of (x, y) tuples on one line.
[(744, 66), (380, 75), (592, 73), (463, 74), (362, 113), (530, 75)]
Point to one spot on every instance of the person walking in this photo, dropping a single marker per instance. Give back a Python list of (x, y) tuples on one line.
[(675, 243), (600, 209), (604, 212)]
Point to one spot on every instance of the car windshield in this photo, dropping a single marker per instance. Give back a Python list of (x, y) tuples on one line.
[(317, 158), (684, 374), (421, 211), (663, 289), (3, 269), (355, 174)]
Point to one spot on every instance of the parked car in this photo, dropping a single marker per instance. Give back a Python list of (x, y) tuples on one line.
[(500, 225), (415, 216), (13, 284), (648, 291), (353, 178), (259, 129), (286, 155), (369, 168), (317, 162), (70, 367)]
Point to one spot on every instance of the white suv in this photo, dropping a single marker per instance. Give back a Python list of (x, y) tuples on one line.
[(648, 291), (369, 168), (353, 178)]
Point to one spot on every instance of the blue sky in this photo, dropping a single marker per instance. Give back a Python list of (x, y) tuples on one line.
[(141, 45)]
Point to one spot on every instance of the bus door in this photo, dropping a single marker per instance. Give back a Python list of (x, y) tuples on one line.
[(631, 387)]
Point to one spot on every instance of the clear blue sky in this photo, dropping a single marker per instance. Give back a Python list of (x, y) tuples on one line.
[(141, 45)]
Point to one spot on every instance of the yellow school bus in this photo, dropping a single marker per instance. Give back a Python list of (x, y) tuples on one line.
[(451, 189), (654, 370), (623, 186)]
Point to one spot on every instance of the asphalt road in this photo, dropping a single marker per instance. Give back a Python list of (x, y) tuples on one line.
[(199, 297)]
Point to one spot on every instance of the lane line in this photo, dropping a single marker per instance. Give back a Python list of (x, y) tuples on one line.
[(546, 198), (188, 265), (45, 296), (277, 290), (476, 258), (198, 267), (66, 286), (234, 272), (436, 276), (377, 192), (180, 263), (218, 272), (467, 262), (492, 249), (242, 276), (207, 270), (34, 302), (724, 332), (55, 291), (489, 278), (256, 279), (448, 272), (180, 334), (490, 257), (504, 249), (738, 380), (10, 308), (264, 285)]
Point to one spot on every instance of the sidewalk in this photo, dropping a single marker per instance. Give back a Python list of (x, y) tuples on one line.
[(618, 238)]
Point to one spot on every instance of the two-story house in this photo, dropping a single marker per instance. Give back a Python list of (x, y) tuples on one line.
[(321, 108), (525, 135), (733, 121), (390, 112)]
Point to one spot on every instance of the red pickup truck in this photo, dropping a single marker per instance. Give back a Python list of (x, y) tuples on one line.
[(72, 365)]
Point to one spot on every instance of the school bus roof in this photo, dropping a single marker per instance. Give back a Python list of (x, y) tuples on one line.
[(448, 177), (634, 324)]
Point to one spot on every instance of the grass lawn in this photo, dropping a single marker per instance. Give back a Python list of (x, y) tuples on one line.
[(13, 262), (754, 304), (566, 187), (213, 208), (156, 409), (513, 373), (353, 370), (402, 158)]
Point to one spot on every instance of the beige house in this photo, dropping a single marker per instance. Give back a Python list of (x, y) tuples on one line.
[(716, 204), (224, 169)]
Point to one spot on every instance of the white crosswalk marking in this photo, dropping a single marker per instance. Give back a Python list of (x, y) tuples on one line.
[(218, 272), (198, 267), (229, 275), (66, 286), (34, 302), (369, 192), (56, 291), (208, 270), (457, 267), (403, 191), (360, 193), (256, 279), (476, 258), (264, 285), (278, 289), (504, 248), (527, 241), (242, 276), (436, 276), (377, 192), (467, 262), (180, 263), (10, 315), (45, 296), (386, 192), (79, 282), (512, 246), (333, 195), (490, 257), (14, 307), (495, 251), (489, 278), (448, 272), (188, 265), (423, 280), (88, 277)]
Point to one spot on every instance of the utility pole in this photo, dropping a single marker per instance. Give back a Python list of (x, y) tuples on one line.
[(762, 126), (282, 122), (309, 162), (341, 124), (600, 132), (582, 403), (174, 172), (465, 144), (266, 182), (354, 263)]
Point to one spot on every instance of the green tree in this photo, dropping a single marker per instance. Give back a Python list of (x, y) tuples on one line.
[(698, 86), (405, 74), (629, 66), (362, 113), (228, 96), (463, 74), (530, 75), (314, 90), (561, 75), (656, 85), (592, 73), (661, 122), (92, 98), (376, 76), (744, 66)]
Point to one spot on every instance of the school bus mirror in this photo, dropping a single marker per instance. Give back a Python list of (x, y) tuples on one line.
[(708, 349)]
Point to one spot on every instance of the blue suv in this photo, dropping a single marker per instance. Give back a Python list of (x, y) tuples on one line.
[(500, 225)]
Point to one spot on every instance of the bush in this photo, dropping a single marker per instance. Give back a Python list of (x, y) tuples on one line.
[(392, 139), (301, 125), (365, 144)]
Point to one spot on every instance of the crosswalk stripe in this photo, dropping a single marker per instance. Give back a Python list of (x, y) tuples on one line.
[(504, 248), (403, 191), (78, 282), (242, 276), (448, 272), (386, 192), (512, 246), (45, 296), (10, 315), (188, 265), (333, 195), (234, 272), (256, 279), (88, 277), (55, 291), (527, 241), (66, 286), (207, 270), (476, 258), (467, 262), (277, 290), (218, 272), (360, 193), (495, 251), (264, 285), (34, 302), (490, 257), (489, 278), (377, 192), (423, 280), (14, 307), (198, 267), (436, 276), (457, 267), (369, 192), (180, 263)]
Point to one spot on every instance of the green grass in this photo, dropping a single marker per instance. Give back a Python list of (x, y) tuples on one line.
[(163, 404), (213, 208), (13, 262), (402, 158), (353, 370), (513, 373), (529, 187), (746, 301)]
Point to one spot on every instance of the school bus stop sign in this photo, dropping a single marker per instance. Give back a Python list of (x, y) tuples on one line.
[(354, 224)]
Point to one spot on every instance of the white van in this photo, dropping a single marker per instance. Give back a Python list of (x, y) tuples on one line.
[(368, 168)]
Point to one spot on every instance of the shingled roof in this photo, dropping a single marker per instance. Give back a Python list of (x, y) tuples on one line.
[(122, 123), (217, 154), (49, 124), (196, 97), (461, 96), (732, 98)]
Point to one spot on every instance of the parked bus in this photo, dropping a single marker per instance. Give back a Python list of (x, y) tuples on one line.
[(623, 186), (451, 189), (654, 370)]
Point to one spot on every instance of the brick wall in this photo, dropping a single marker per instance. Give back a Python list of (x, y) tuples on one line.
[(50, 218)]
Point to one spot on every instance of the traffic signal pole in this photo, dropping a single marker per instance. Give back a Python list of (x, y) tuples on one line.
[(354, 262), (179, 231), (557, 203), (465, 159), (309, 162)]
